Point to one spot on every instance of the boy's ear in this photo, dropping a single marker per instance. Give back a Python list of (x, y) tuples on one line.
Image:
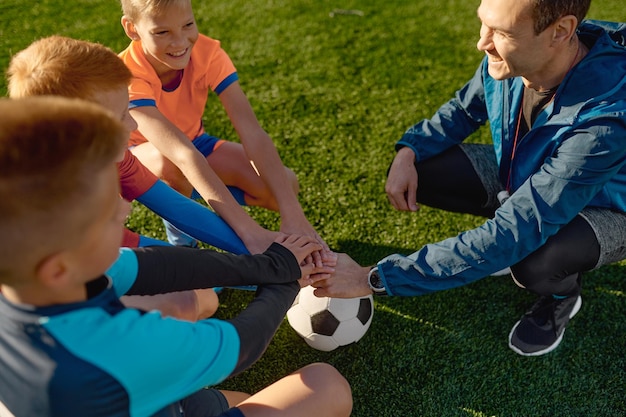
[(129, 28), (53, 271)]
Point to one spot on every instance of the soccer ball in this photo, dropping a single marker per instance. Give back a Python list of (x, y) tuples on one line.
[(327, 323)]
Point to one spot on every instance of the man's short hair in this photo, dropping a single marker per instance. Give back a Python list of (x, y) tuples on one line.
[(68, 67), (546, 12), (51, 149)]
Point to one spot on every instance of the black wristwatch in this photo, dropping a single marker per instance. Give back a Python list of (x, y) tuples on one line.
[(375, 283)]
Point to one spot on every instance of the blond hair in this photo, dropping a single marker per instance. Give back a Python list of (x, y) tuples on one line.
[(134, 9), (51, 149), (58, 65)]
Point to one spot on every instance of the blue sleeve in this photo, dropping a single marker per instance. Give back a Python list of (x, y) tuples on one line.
[(451, 124), (590, 156), (157, 360), (123, 272), (192, 218)]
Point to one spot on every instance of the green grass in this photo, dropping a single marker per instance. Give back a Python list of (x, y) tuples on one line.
[(335, 93)]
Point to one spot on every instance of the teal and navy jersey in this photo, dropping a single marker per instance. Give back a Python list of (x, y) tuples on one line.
[(98, 358)]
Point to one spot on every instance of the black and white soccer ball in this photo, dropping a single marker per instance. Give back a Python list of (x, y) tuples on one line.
[(327, 323)]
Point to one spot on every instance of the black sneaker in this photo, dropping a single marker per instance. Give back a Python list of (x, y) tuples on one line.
[(541, 328)]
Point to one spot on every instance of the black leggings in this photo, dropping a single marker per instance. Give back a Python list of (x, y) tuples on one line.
[(448, 181)]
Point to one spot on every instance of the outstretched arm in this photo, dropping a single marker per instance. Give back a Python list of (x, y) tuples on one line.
[(257, 324), (177, 148), (261, 151), (160, 269)]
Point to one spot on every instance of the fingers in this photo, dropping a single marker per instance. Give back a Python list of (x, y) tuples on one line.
[(316, 258), (324, 288), (401, 185), (312, 257), (396, 188), (310, 279), (321, 274), (399, 203), (321, 292), (294, 239), (325, 247), (311, 274), (329, 258), (304, 248)]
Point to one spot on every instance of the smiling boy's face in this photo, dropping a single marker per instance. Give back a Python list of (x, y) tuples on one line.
[(167, 38)]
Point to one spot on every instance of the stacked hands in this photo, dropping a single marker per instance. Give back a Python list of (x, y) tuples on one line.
[(348, 279), (316, 260), (337, 274), (332, 274)]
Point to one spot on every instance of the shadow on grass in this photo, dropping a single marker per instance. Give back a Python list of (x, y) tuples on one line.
[(366, 253), (446, 354)]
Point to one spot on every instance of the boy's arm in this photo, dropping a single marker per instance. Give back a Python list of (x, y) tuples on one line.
[(176, 147), (261, 150), (133, 353), (161, 269), (257, 324)]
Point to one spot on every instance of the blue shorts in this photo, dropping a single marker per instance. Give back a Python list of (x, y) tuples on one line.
[(233, 412), (206, 144)]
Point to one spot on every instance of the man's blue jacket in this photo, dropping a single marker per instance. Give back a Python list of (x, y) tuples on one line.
[(573, 157)]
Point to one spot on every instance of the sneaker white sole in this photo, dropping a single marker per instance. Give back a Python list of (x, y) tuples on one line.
[(576, 309)]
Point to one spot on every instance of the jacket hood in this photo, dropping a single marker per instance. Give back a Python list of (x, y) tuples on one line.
[(603, 70)]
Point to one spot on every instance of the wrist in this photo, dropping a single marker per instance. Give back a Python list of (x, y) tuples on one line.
[(406, 153), (292, 212)]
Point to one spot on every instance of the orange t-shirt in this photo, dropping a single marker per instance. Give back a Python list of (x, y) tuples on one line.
[(209, 68)]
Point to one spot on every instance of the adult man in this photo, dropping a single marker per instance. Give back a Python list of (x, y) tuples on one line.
[(555, 187)]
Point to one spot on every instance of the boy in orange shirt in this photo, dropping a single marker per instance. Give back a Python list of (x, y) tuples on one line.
[(174, 69)]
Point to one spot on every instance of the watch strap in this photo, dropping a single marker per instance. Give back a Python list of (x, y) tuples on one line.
[(375, 282)]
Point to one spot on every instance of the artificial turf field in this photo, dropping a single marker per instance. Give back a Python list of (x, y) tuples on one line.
[(335, 90)]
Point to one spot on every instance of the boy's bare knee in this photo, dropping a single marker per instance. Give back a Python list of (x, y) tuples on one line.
[(234, 397), (207, 303), (327, 380), (183, 305)]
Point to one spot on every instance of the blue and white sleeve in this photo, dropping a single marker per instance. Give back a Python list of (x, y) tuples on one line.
[(123, 272)]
